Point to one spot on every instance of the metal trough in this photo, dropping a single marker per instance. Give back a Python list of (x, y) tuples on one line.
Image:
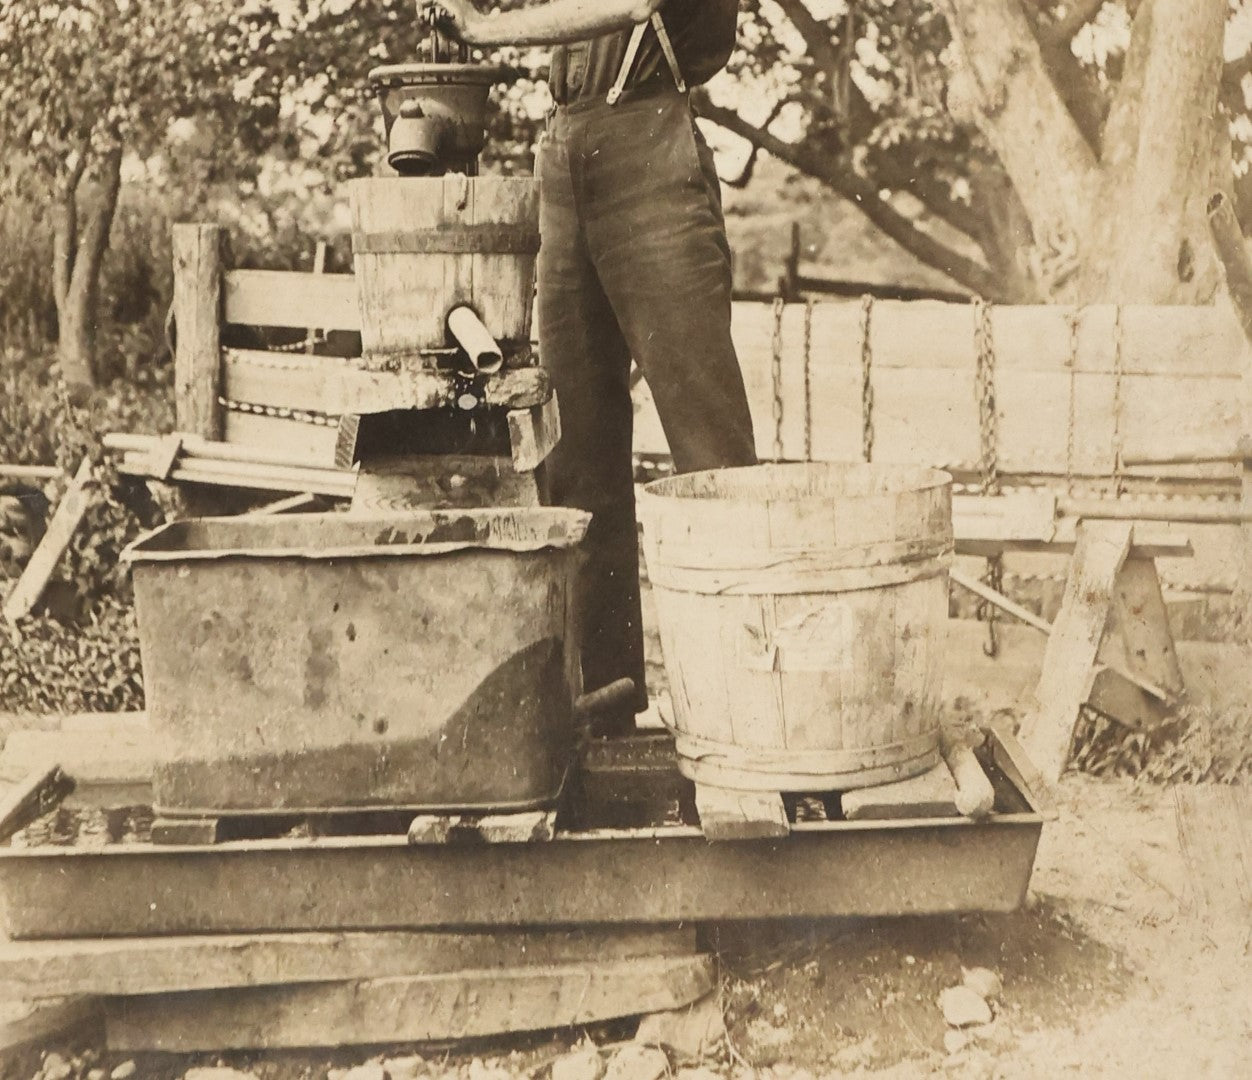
[(330, 662), (586, 876)]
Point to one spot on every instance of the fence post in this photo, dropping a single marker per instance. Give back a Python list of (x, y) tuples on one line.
[(197, 317)]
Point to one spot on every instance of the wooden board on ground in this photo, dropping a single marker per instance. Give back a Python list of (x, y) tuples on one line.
[(1070, 659), (468, 1004), (125, 966), (1215, 834), (740, 815), (65, 521), (931, 795)]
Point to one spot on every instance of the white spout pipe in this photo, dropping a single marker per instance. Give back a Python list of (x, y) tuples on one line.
[(470, 333)]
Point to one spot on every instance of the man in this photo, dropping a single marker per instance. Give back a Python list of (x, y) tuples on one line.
[(633, 263)]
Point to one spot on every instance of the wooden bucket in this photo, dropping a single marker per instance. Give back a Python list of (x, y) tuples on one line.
[(423, 245), (802, 611)]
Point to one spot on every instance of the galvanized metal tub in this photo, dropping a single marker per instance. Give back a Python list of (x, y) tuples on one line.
[(324, 662)]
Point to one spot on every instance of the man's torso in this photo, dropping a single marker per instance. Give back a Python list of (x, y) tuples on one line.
[(703, 33)]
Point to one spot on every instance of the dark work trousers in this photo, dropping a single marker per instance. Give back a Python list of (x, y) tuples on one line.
[(633, 263)]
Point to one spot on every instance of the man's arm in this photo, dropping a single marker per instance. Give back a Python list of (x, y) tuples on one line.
[(554, 23)]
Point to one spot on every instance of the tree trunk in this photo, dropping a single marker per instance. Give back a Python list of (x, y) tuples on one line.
[(1162, 145), (78, 255), (1126, 224)]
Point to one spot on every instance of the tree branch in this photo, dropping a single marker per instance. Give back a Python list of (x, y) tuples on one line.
[(1078, 13), (815, 33), (864, 195)]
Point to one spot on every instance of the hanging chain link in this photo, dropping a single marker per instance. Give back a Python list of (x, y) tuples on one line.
[(985, 389), (776, 376), (808, 380), (1119, 467), (1070, 434), (867, 380), (988, 452)]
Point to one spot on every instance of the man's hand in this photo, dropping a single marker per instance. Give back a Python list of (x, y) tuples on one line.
[(457, 18)]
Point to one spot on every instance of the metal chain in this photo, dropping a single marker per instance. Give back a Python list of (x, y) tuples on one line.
[(279, 413), (867, 380), (776, 374), (988, 451), (1119, 475), (985, 389), (808, 380), (1070, 435)]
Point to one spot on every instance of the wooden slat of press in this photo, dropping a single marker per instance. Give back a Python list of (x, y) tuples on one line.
[(489, 1001), (332, 386), (310, 442), (291, 299), (122, 966)]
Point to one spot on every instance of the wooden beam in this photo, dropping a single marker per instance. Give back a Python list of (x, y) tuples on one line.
[(490, 1001), (313, 443), (65, 521), (1215, 835), (329, 385), (1069, 663), (293, 299), (534, 433), (197, 318), (161, 965)]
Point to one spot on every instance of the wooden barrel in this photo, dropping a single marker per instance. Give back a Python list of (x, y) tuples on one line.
[(423, 245), (802, 610)]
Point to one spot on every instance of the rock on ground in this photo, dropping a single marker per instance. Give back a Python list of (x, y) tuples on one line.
[(984, 982), (220, 1073), (371, 1070), (124, 1071), (638, 1062), (582, 1063), (962, 1007), (694, 1032)]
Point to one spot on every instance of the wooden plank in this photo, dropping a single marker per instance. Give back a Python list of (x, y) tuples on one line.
[(329, 385), (1215, 835), (740, 815), (124, 966), (65, 521), (32, 797), (293, 504), (291, 299), (534, 433), (1018, 515), (197, 315), (931, 795), (186, 831), (1069, 661), (31, 472), (1180, 378), (469, 1004), (311, 443)]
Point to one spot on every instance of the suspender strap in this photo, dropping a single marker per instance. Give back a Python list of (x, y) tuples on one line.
[(632, 54)]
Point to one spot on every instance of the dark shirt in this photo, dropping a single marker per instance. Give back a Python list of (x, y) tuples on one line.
[(703, 33)]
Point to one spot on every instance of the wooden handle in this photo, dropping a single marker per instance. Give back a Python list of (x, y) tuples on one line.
[(621, 692), (32, 797), (975, 796)]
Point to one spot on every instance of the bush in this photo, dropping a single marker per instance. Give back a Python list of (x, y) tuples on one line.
[(80, 653)]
